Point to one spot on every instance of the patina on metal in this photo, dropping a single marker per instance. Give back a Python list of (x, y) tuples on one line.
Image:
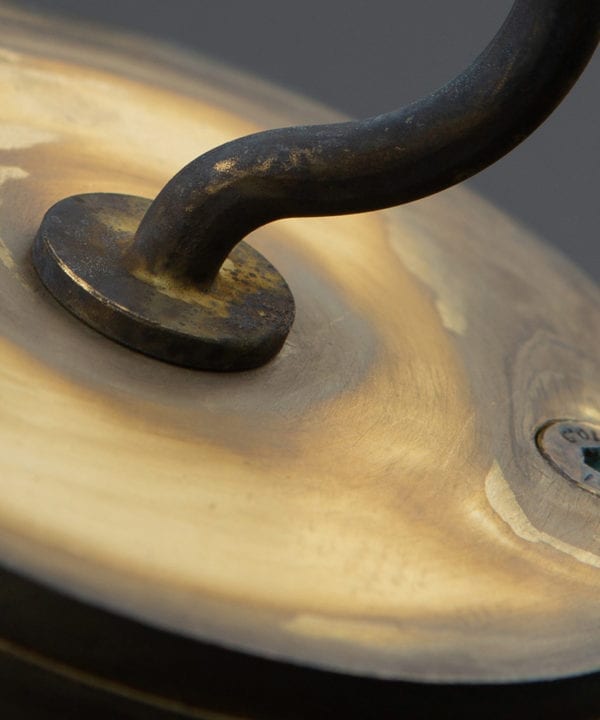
[(215, 201), (83, 253), (572, 448)]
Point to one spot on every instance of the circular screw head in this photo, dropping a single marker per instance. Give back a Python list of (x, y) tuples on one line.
[(572, 447)]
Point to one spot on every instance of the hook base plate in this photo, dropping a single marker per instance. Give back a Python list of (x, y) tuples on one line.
[(81, 253)]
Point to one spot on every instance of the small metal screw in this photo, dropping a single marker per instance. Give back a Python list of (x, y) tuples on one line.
[(572, 447)]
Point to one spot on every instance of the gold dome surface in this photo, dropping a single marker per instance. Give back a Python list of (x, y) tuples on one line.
[(371, 501)]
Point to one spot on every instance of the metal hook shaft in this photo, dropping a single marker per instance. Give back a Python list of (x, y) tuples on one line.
[(429, 145)]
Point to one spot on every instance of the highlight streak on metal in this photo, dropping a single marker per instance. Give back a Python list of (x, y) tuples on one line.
[(505, 505), (148, 700)]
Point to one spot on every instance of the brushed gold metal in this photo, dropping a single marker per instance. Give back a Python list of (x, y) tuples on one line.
[(372, 501)]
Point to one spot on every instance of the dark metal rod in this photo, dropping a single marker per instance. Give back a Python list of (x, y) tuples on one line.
[(429, 145)]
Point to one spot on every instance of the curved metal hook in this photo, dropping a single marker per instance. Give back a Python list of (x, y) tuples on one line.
[(156, 291), (431, 144)]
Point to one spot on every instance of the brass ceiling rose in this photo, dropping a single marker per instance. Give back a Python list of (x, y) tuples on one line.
[(362, 527)]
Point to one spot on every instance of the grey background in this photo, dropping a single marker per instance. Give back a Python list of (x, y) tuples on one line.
[(368, 57)]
